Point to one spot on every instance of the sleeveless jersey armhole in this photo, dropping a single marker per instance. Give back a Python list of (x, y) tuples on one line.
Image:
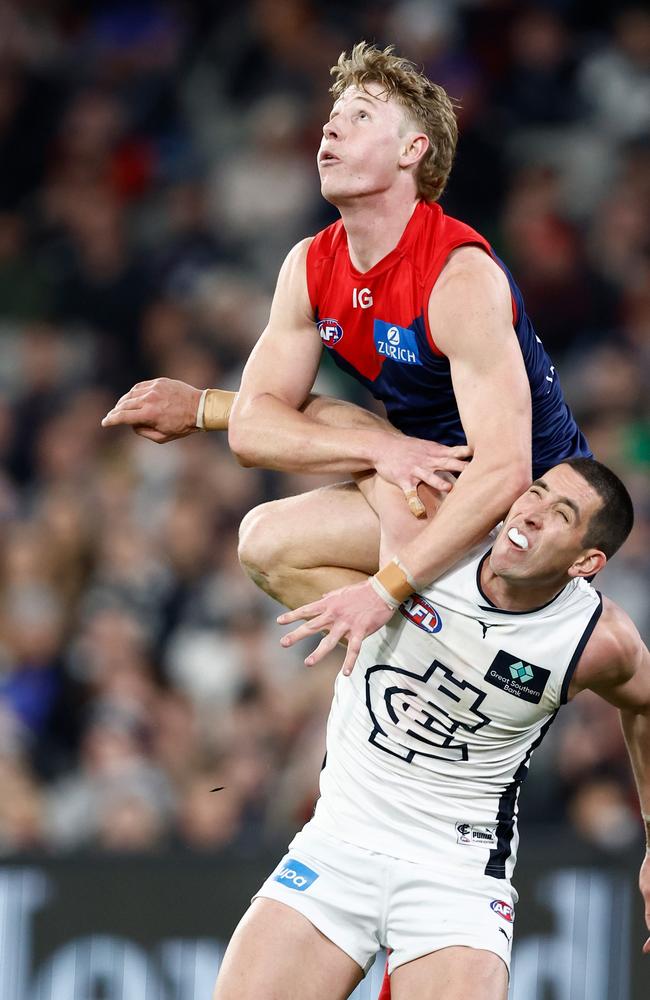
[(515, 311), (584, 639), (312, 267), (434, 274)]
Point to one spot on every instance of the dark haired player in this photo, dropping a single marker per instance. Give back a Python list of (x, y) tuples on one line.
[(414, 838)]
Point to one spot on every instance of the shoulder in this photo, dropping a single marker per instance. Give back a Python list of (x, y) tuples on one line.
[(470, 306), (473, 266), (295, 263), (613, 654), (327, 241), (298, 253), (291, 292)]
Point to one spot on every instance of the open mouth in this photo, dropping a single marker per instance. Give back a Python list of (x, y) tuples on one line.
[(327, 157), (518, 540)]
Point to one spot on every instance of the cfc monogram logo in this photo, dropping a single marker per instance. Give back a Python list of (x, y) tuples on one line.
[(361, 297)]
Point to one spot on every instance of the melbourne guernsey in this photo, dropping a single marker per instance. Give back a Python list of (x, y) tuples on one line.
[(430, 738), (375, 325)]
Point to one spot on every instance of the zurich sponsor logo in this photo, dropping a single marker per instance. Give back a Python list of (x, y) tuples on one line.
[(295, 875), (330, 331), (417, 610), (397, 343), (503, 909)]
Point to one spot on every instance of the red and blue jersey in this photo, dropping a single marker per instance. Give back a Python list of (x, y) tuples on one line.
[(375, 325)]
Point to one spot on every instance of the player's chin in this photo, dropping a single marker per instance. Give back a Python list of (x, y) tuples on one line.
[(335, 193), (509, 562)]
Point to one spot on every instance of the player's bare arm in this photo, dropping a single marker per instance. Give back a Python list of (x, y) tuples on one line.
[(616, 665), (470, 316), (268, 422), (267, 427)]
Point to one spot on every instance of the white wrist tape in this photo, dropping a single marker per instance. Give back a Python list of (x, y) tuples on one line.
[(200, 423)]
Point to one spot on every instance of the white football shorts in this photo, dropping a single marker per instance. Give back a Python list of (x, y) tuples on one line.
[(363, 901)]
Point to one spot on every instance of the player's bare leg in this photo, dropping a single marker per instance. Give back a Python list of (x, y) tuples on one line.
[(300, 548), (277, 954), (451, 974), (295, 549)]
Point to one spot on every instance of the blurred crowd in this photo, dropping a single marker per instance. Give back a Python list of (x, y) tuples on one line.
[(157, 160)]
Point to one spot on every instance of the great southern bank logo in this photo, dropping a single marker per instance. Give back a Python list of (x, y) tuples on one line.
[(396, 342), (330, 331), (521, 672), (295, 875), (522, 680)]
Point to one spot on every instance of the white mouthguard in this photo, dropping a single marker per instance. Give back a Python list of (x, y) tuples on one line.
[(518, 539)]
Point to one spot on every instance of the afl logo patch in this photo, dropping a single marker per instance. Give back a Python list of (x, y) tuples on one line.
[(417, 610), (330, 331), (503, 909)]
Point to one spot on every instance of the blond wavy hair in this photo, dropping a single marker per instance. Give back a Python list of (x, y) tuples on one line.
[(427, 105)]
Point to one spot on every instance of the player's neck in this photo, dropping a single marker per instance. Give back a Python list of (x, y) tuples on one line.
[(519, 595), (374, 227)]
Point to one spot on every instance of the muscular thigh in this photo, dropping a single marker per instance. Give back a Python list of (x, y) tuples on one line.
[(398, 524), (452, 974), (330, 526), (277, 954)]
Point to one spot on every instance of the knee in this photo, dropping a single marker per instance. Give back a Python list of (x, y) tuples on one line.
[(260, 544)]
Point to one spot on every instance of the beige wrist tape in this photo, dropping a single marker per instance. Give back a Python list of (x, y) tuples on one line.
[(393, 583), (214, 409)]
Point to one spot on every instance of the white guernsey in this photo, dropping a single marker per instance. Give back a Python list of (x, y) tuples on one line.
[(429, 739)]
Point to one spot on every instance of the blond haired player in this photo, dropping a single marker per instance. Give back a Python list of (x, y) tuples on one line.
[(416, 306)]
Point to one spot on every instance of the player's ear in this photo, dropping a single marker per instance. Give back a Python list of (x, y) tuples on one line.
[(588, 563), (414, 146)]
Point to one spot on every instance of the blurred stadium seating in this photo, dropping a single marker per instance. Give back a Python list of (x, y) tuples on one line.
[(157, 160)]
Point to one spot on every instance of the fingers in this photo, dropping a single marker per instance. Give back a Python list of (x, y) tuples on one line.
[(436, 482), (133, 400), (440, 451), (287, 617), (303, 631), (354, 645), (325, 646), (416, 506), (137, 390), (451, 464), (124, 415)]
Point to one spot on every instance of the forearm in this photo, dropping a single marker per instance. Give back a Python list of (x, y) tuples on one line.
[(479, 500), (332, 412), (636, 729), (268, 432)]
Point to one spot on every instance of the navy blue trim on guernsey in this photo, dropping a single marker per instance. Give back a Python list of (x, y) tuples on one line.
[(505, 830), (322, 768), (502, 611), (586, 635)]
